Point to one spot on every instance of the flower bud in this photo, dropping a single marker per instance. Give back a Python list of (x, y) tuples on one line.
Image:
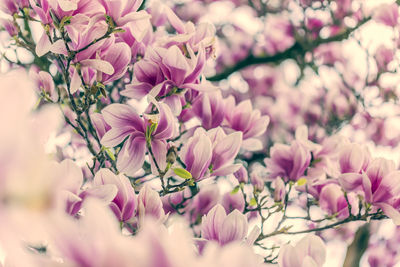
[(241, 175)]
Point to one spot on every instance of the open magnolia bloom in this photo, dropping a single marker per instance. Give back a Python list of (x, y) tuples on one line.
[(379, 186), (310, 251), (142, 133), (224, 229)]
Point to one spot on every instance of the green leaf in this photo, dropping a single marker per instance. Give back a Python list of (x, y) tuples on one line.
[(253, 202), (182, 173), (109, 153), (301, 181), (235, 190), (118, 30)]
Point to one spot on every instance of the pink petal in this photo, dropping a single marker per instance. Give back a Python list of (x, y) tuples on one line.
[(131, 157), (43, 46), (98, 64)]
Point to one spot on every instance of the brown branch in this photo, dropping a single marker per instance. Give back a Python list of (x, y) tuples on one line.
[(298, 49)]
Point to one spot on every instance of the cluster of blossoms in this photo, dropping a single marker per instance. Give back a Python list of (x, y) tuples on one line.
[(144, 133)]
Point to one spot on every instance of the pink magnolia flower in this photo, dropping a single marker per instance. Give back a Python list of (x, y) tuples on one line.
[(353, 158), (189, 35), (279, 189), (378, 184), (99, 124), (81, 11), (103, 61), (257, 181), (383, 57), (137, 29), (166, 74), (12, 7), (147, 74), (124, 13), (203, 202), (310, 251), (9, 27), (314, 25), (233, 201), (44, 83), (209, 108), (124, 203), (387, 14), (224, 150), (83, 30), (241, 175), (288, 162), (66, 8), (243, 118), (125, 122), (223, 228), (42, 9), (172, 200), (278, 34), (94, 240), (149, 204), (197, 154), (119, 56), (211, 153), (72, 195), (332, 200), (178, 70)]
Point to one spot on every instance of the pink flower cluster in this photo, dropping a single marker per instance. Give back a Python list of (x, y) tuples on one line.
[(145, 133)]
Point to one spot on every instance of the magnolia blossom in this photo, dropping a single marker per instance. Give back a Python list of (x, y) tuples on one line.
[(224, 150), (9, 27), (243, 118), (124, 203), (288, 162), (333, 201), (378, 184), (167, 73), (257, 181), (241, 175), (125, 122), (99, 124), (197, 154), (279, 189), (233, 201), (175, 181), (209, 108), (203, 202), (9, 7), (223, 228), (353, 158), (384, 56), (74, 193), (95, 241), (211, 153), (278, 34), (387, 14), (44, 83), (310, 251), (149, 204)]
